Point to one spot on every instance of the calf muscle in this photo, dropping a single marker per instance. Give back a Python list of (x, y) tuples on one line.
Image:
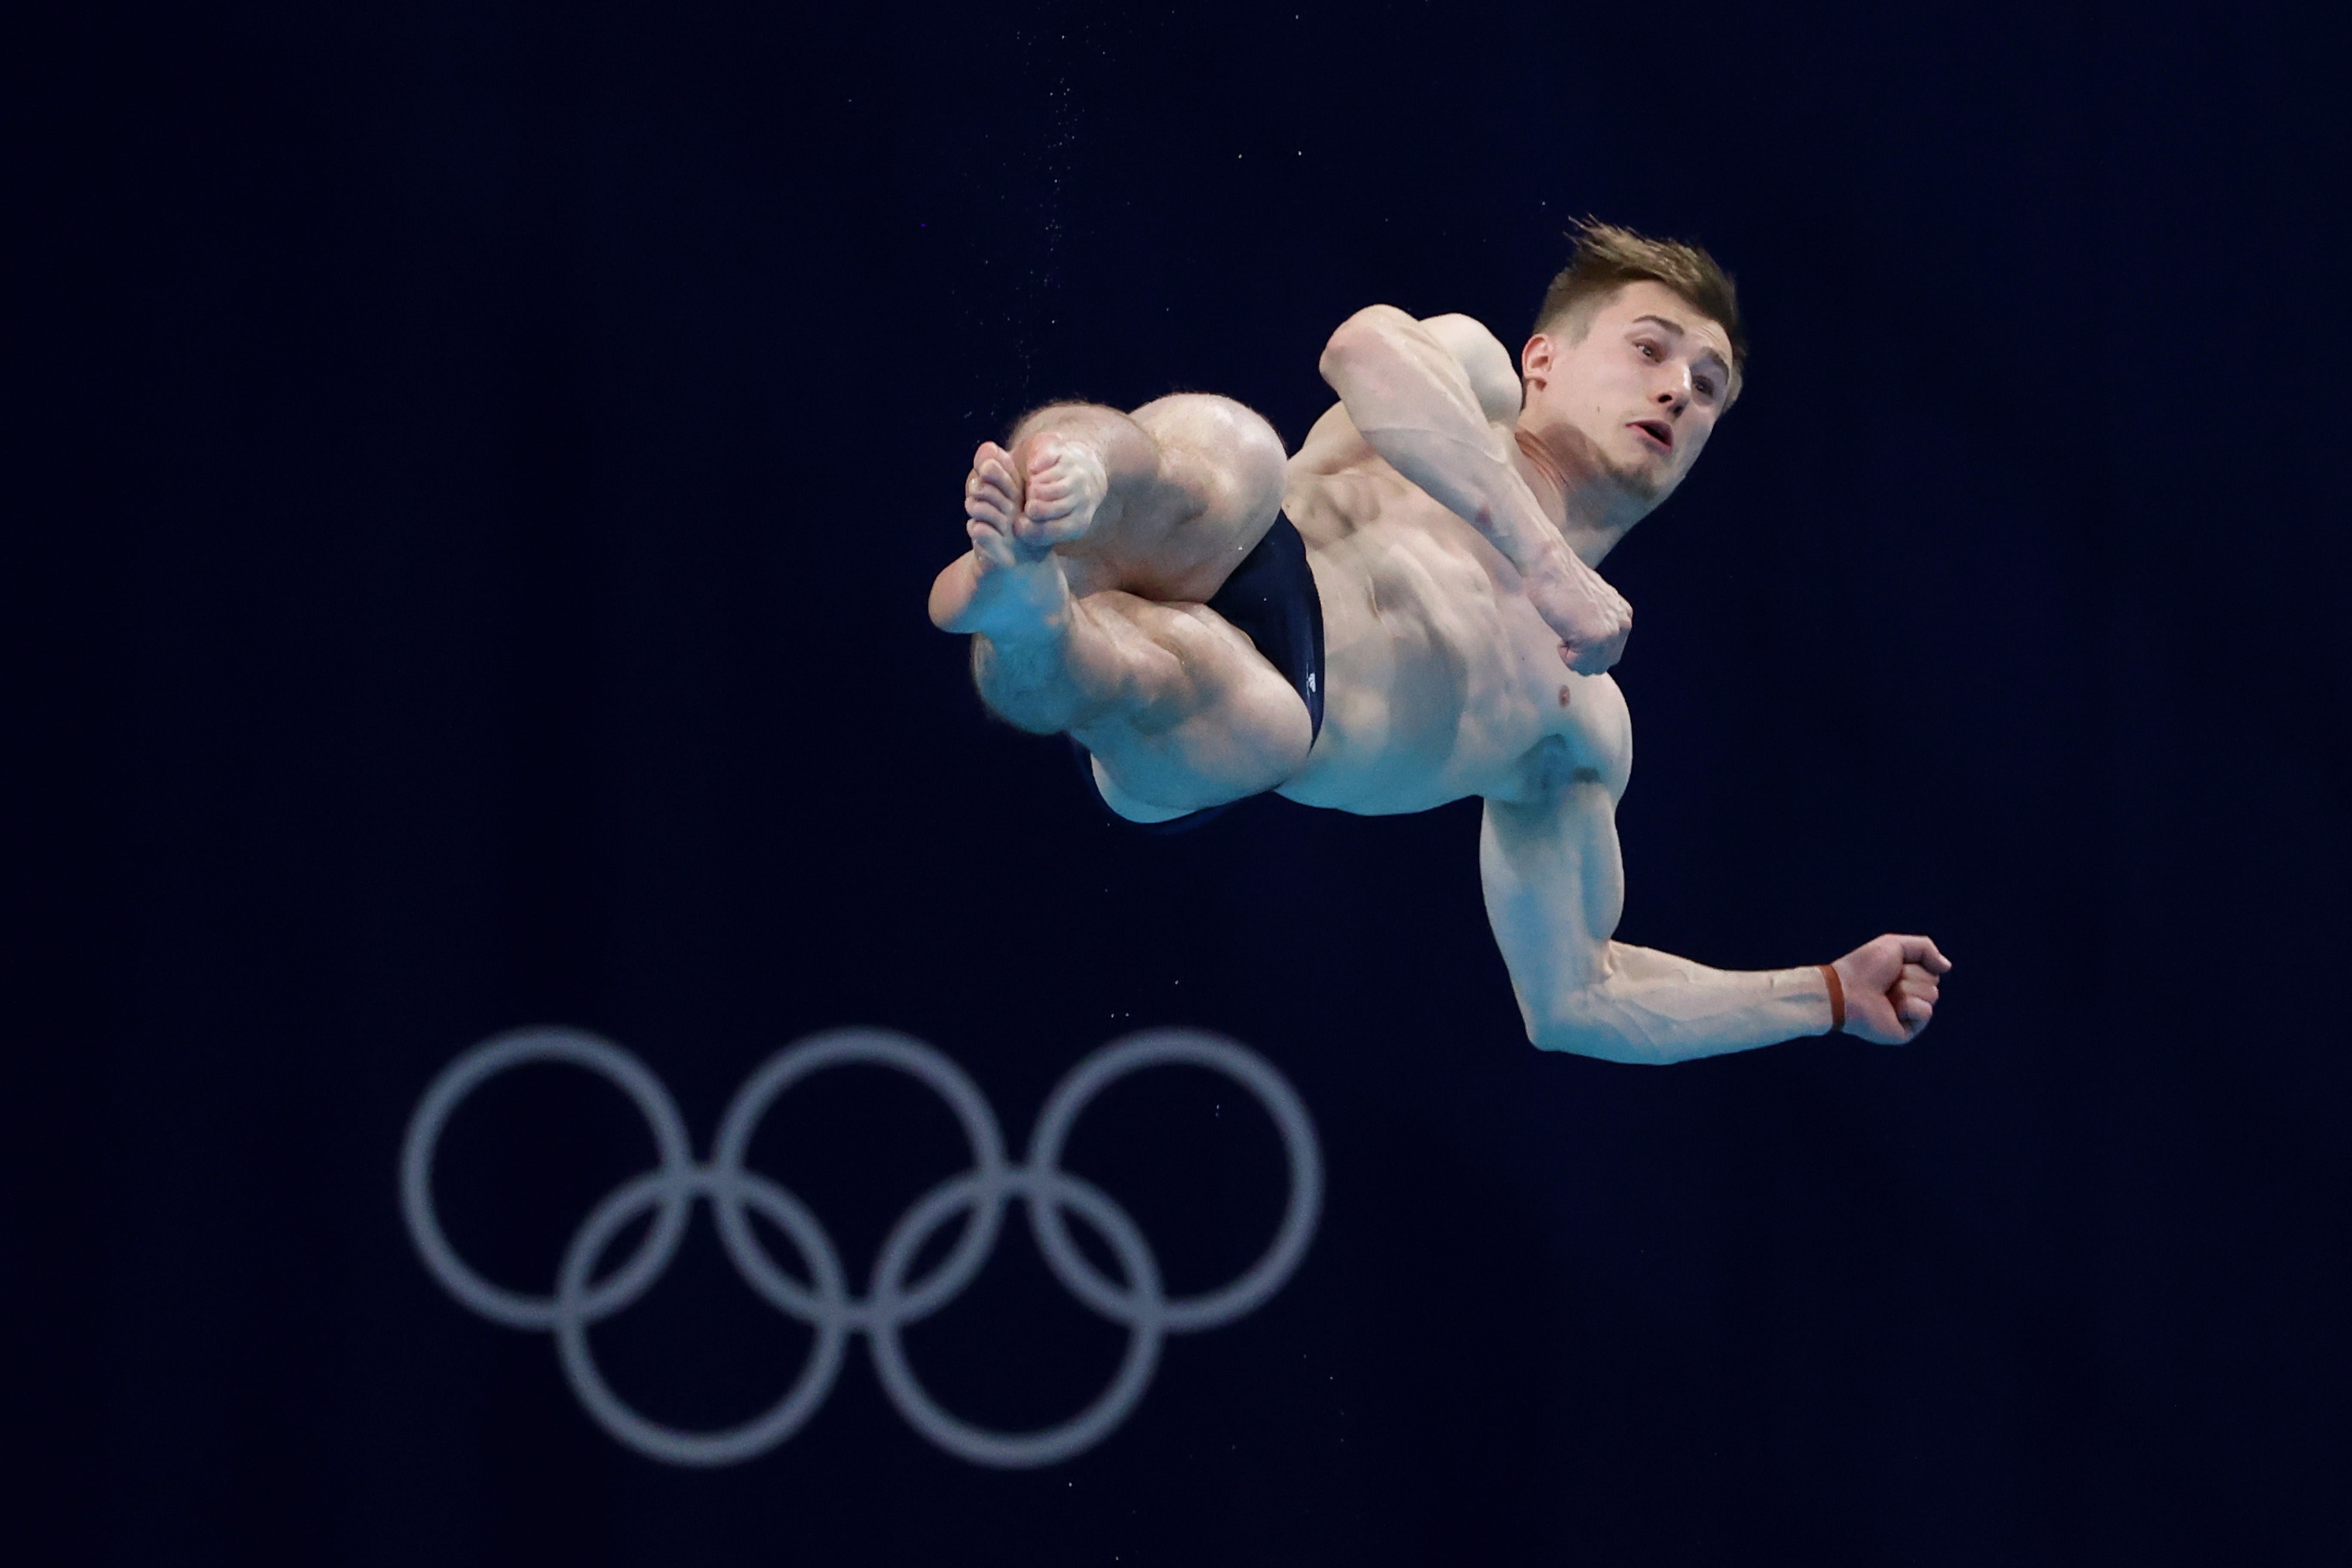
[(1091, 664)]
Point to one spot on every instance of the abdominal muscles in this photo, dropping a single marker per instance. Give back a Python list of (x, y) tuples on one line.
[(1441, 681)]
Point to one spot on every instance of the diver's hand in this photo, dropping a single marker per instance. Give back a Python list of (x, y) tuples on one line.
[(1890, 987), (1591, 618)]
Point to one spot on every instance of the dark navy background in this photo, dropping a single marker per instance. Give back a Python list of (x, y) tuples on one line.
[(478, 471)]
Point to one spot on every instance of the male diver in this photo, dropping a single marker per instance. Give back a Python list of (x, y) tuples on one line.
[(1404, 614)]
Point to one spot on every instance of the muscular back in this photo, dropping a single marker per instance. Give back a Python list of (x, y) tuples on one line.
[(1441, 681)]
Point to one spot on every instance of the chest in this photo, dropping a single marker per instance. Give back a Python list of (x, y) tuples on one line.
[(1441, 681)]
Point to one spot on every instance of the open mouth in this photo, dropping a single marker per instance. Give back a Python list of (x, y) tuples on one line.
[(1657, 430)]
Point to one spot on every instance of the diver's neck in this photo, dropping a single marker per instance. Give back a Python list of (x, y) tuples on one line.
[(1589, 506)]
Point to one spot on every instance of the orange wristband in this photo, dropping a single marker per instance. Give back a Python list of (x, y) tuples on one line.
[(1837, 997)]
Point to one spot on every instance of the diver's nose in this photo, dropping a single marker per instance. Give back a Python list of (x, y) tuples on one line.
[(1676, 398)]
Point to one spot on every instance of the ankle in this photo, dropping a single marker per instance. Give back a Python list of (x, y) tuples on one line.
[(1026, 603)]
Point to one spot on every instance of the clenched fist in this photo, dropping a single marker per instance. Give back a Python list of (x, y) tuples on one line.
[(1890, 987), (1591, 618)]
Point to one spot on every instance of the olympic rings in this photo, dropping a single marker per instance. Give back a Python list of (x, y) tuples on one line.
[(891, 1300)]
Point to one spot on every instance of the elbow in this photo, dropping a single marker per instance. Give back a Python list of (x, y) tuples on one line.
[(1598, 1044), (1364, 335), (1576, 1026)]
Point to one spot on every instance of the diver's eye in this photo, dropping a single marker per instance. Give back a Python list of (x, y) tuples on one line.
[(1705, 387), (1647, 351)]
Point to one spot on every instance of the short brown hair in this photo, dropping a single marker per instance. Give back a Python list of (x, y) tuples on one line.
[(1607, 257)]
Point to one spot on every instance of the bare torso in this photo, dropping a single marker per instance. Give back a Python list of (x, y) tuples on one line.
[(1441, 679), (1452, 550)]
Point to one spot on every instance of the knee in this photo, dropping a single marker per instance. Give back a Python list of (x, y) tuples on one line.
[(1233, 440), (1067, 418), (1206, 423)]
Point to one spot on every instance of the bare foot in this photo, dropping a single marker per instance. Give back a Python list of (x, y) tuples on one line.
[(1065, 484), (1010, 585)]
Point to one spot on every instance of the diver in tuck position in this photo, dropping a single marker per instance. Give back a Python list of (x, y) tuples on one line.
[(1404, 614)]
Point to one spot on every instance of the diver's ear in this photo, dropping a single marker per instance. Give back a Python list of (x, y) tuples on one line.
[(1536, 360)]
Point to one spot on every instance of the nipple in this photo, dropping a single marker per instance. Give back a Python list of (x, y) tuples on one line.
[(1564, 696)]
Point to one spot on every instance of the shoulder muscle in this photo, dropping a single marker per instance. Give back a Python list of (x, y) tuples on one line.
[(1485, 361)]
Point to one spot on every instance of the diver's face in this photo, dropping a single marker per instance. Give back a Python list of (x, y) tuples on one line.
[(1637, 395)]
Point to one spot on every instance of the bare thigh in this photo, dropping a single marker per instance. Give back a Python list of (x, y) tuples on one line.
[(1213, 721)]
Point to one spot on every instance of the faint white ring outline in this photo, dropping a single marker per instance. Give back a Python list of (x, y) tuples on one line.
[(890, 1303)]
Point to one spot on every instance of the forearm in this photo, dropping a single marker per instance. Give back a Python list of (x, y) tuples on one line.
[(1653, 1007), (1413, 404)]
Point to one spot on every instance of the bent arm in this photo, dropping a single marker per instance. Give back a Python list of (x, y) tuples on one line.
[(1415, 402), (1555, 887)]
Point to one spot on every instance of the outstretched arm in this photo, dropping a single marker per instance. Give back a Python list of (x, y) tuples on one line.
[(1411, 397), (1555, 887)]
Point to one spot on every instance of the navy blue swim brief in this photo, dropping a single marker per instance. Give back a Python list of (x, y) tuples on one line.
[(1271, 599)]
